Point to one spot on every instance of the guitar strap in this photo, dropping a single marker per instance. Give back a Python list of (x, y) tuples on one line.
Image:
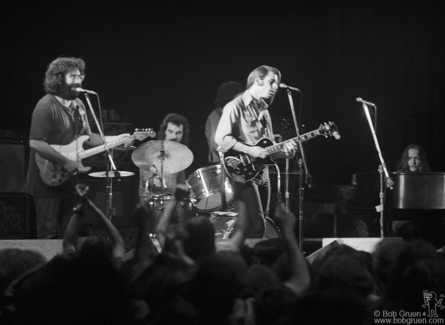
[(262, 117), (262, 107), (83, 116)]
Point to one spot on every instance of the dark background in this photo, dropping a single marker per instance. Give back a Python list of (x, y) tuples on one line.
[(147, 59)]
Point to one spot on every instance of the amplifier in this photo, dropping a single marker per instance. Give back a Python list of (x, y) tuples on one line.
[(12, 166), (14, 216)]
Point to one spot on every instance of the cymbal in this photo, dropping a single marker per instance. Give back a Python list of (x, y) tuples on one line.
[(175, 156), (110, 174)]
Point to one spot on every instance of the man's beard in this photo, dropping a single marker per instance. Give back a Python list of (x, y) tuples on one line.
[(67, 91)]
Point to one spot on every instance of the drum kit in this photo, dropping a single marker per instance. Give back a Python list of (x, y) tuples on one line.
[(170, 157), (205, 184)]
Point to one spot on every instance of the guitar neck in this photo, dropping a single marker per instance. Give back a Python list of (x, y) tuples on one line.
[(98, 149), (280, 146)]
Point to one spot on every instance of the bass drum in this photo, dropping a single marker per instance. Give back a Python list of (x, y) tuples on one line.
[(224, 223), (206, 186)]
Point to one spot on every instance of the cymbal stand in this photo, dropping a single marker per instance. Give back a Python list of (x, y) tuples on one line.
[(109, 163), (110, 211), (308, 177), (162, 155), (223, 190), (286, 182), (382, 170), (222, 181)]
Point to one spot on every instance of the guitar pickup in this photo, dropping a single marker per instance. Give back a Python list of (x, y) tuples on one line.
[(245, 159)]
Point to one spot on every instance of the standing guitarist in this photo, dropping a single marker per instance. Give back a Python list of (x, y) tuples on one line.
[(245, 120), (58, 119)]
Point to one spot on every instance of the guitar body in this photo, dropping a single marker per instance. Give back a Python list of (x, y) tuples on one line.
[(53, 174), (238, 163)]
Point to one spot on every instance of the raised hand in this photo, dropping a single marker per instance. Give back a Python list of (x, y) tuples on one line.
[(284, 217), (143, 213), (81, 193), (182, 192)]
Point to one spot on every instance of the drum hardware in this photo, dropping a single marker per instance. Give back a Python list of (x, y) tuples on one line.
[(224, 223), (167, 156), (111, 174), (158, 201)]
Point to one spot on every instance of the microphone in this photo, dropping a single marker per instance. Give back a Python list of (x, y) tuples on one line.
[(365, 102), (289, 87), (80, 90)]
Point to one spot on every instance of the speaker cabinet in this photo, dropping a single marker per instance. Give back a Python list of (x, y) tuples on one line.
[(12, 166), (14, 216)]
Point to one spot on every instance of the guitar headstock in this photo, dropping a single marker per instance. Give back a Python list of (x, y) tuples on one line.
[(329, 129), (141, 134)]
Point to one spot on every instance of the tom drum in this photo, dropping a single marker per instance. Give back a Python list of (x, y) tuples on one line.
[(206, 186)]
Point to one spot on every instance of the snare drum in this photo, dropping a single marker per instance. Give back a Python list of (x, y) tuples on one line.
[(206, 186)]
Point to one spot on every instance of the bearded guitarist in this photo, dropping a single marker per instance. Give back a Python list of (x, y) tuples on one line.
[(246, 119), (59, 118)]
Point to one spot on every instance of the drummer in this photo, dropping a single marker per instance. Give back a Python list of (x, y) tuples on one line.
[(174, 127)]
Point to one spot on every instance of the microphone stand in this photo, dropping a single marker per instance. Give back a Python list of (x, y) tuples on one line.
[(303, 170), (382, 170), (109, 164), (279, 184)]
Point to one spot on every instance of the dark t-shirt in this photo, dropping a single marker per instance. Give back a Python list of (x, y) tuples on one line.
[(52, 122)]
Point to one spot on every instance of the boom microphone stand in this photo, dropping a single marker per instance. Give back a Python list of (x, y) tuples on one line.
[(110, 166), (382, 168), (303, 170)]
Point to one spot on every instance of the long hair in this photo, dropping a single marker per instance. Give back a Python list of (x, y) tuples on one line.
[(57, 70), (402, 165), (177, 120), (226, 92), (262, 72)]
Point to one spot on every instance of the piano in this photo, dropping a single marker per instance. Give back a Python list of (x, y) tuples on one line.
[(424, 191), (419, 191), (419, 198)]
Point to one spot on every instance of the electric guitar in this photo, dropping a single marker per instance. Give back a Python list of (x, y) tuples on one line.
[(53, 174), (242, 164)]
